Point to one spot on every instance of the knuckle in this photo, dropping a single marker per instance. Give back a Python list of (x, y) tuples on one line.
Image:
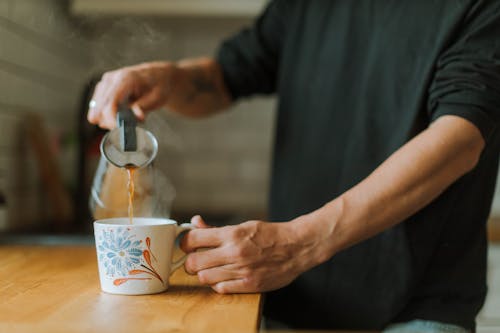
[(246, 272), (230, 231), (237, 233), (124, 73), (255, 226), (191, 264), (98, 86), (240, 252), (107, 76), (118, 76), (252, 283), (254, 223)]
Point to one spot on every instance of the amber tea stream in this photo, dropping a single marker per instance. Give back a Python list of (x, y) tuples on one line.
[(131, 189)]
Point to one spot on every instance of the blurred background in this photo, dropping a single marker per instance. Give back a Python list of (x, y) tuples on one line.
[(53, 51)]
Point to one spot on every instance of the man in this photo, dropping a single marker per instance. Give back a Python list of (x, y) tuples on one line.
[(384, 166)]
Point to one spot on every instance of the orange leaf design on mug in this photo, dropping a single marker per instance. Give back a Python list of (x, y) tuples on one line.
[(148, 243), (147, 257), (138, 271), (118, 282)]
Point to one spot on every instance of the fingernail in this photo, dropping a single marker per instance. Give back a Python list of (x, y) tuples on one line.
[(195, 218)]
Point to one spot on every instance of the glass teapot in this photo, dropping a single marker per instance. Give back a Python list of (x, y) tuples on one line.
[(129, 151)]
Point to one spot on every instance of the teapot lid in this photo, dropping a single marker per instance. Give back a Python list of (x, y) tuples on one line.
[(145, 153), (128, 145)]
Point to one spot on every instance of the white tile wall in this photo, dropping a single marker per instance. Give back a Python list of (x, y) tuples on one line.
[(43, 65)]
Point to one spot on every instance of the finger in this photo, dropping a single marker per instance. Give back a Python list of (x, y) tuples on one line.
[(198, 261), (213, 276), (98, 116), (198, 222), (122, 92), (93, 113), (200, 238), (107, 121), (232, 287), (117, 90), (139, 113), (92, 116), (149, 101), (108, 111), (100, 97)]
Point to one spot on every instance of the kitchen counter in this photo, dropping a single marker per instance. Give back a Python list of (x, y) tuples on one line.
[(56, 289)]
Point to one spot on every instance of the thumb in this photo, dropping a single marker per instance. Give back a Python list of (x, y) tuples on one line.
[(138, 111), (198, 222)]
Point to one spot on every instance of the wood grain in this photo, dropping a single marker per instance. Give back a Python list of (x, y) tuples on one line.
[(56, 289)]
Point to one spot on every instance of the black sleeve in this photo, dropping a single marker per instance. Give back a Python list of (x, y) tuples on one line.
[(467, 77), (250, 60)]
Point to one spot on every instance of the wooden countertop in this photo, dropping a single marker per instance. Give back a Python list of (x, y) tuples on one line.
[(56, 289)]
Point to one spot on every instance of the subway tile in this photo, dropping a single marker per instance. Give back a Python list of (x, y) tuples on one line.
[(4, 8), (25, 53)]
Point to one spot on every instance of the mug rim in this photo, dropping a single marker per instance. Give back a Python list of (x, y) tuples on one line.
[(124, 221)]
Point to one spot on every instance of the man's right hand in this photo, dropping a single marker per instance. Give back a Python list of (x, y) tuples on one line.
[(145, 86), (191, 87)]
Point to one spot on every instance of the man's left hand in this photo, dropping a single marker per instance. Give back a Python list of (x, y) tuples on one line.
[(254, 256)]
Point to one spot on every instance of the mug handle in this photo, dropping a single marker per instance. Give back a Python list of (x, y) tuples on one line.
[(179, 262)]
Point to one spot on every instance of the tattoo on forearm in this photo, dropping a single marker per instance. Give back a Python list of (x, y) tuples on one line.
[(201, 84)]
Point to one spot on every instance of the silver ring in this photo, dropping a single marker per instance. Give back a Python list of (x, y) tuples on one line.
[(92, 104)]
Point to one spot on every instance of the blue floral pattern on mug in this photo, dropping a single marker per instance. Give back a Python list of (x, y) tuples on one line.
[(119, 251), (124, 257)]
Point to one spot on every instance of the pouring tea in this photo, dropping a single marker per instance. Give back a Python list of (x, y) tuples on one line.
[(126, 148)]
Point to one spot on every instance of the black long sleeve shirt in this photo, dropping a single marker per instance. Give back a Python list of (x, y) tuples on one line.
[(356, 80)]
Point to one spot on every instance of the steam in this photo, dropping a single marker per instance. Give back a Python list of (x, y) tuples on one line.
[(156, 123), (118, 42), (153, 195), (125, 41)]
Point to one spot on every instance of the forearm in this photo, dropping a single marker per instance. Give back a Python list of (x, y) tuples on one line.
[(405, 183), (198, 89)]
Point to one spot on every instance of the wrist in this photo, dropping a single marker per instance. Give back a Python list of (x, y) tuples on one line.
[(316, 232)]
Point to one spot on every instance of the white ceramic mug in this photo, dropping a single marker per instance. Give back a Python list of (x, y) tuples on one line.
[(136, 259)]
